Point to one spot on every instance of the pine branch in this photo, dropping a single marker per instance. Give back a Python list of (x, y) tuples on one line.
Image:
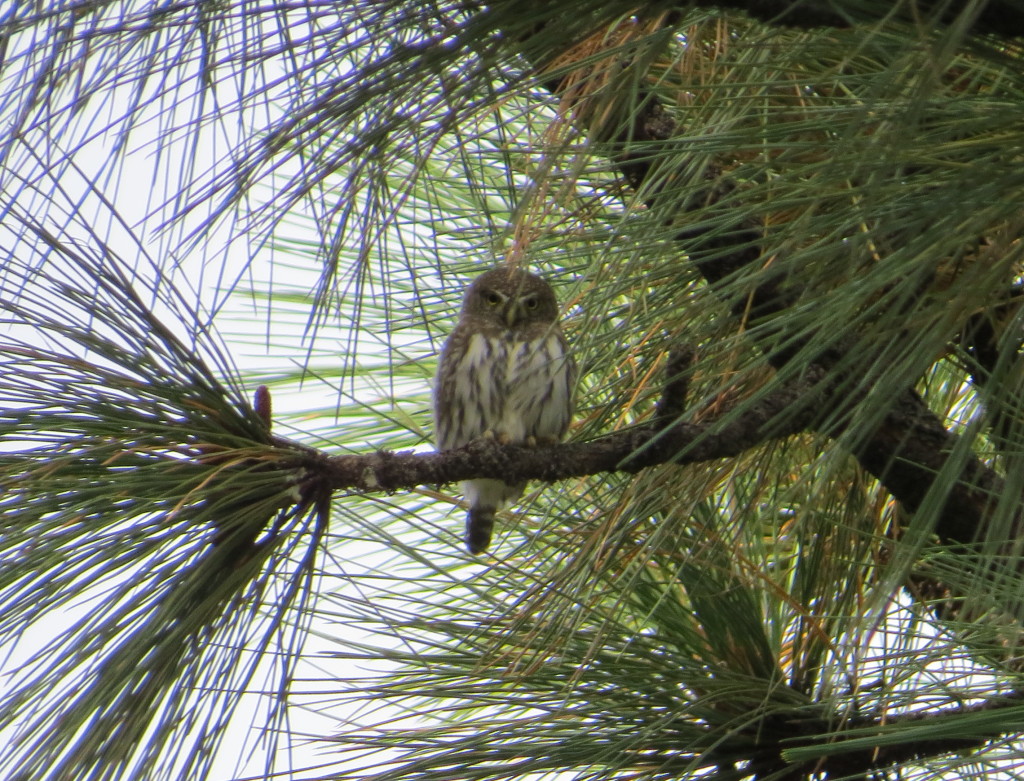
[(906, 452), (1002, 18), (909, 448), (860, 753), (667, 440)]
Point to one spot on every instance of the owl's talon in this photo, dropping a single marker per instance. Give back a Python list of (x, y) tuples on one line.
[(491, 436)]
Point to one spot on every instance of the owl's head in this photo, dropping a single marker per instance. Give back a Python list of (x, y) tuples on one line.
[(511, 297)]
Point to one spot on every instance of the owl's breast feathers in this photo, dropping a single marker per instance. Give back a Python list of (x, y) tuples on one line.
[(515, 384)]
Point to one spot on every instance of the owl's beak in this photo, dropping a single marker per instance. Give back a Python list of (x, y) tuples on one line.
[(512, 313)]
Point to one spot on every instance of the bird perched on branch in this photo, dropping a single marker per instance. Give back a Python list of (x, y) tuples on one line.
[(505, 372)]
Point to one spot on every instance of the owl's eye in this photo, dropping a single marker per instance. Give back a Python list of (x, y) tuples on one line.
[(531, 302), (492, 298)]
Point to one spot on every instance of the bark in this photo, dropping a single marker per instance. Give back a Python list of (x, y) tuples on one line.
[(1002, 18), (910, 447), (665, 440)]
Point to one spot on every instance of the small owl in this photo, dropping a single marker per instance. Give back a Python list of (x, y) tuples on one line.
[(505, 372)]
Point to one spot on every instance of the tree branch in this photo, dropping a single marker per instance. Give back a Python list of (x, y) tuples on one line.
[(802, 742), (666, 440), (1002, 18), (910, 447), (847, 763)]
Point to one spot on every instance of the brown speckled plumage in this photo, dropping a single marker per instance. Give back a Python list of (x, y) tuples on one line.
[(504, 372)]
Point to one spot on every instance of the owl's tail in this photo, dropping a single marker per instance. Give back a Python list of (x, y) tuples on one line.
[(479, 524)]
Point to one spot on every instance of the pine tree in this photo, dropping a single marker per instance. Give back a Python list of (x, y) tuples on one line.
[(782, 540)]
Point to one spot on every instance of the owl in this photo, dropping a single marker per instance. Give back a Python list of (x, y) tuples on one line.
[(505, 372)]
